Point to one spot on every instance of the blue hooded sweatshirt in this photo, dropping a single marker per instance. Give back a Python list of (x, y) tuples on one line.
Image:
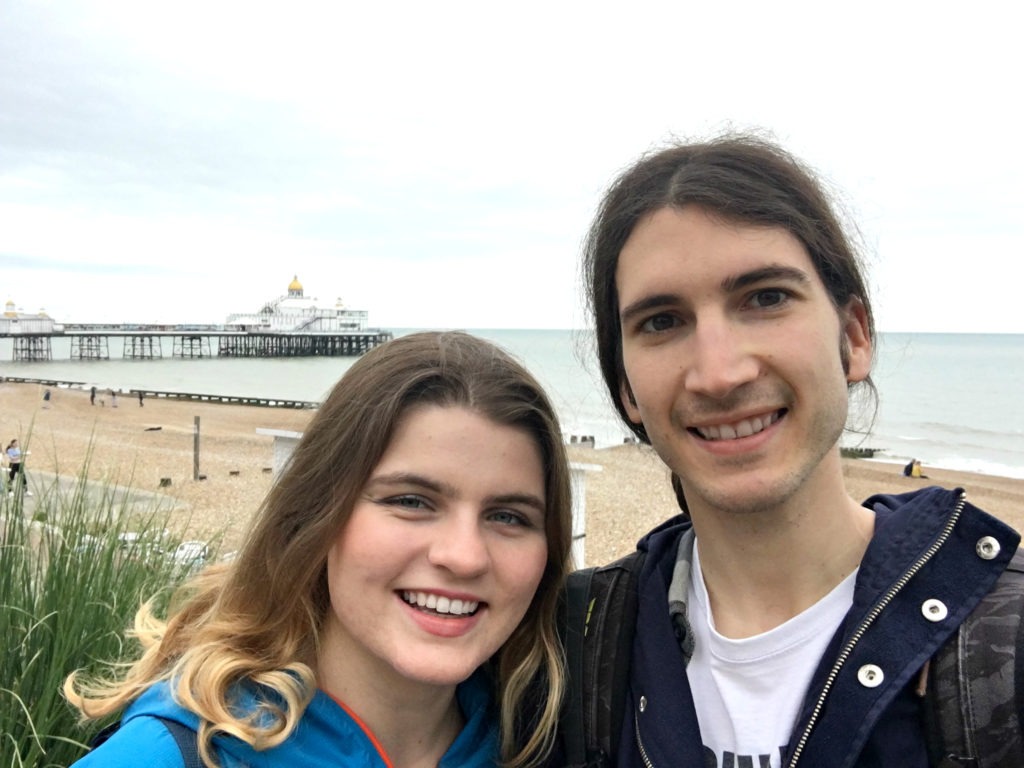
[(326, 735)]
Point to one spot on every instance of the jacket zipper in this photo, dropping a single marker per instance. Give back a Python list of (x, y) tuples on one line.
[(640, 744), (865, 624)]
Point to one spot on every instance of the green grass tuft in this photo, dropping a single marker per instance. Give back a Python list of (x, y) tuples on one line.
[(70, 583)]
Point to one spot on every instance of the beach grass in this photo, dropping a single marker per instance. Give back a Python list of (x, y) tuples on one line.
[(74, 572)]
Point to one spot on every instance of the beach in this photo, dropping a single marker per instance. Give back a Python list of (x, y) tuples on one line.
[(142, 446), (631, 494)]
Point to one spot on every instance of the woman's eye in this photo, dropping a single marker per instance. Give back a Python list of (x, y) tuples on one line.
[(658, 323), (508, 517), (407, 502)]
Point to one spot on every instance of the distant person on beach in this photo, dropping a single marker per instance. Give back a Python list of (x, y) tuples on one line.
[(46, 398), (395, 596), (14, 462), (776, 621), (92, 396), (113, 399), (913, 469), (140, 398)]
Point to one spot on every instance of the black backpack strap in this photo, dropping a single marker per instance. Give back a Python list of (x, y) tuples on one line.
[(187, 741), (974, 710), (104, 733), (577, 608), (601, 607)]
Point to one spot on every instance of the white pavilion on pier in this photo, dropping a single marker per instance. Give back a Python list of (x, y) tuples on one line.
[(296, 312), (13, 321)]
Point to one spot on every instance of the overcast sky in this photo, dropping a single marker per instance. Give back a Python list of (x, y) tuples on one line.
[(438, 163)]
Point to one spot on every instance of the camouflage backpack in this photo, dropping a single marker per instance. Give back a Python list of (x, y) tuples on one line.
[(975, 712)]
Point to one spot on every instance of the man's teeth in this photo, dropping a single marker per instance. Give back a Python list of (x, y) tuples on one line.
[(440, 604), (742, 428)]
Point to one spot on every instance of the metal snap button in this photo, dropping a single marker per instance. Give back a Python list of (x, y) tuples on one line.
[(934, 610), (987, 547), (870, 676), (643, 703)]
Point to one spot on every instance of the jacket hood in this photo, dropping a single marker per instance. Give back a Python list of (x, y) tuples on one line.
[(664, 535), (327, 735)]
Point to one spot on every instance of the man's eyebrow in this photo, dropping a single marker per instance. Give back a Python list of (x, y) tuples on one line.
[(729, 284), (764, 274), (647, 303)]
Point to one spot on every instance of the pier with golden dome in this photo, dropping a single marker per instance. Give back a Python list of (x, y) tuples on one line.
[(292, 325)]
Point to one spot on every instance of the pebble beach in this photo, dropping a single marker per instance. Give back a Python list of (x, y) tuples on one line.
[(143, 446)]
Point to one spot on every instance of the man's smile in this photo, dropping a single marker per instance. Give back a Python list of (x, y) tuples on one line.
[(741, 428)]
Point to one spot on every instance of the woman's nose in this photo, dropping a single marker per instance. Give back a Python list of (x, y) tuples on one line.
[(459, 547)]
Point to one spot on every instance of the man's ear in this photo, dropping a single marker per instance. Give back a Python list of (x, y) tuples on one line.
[(629, 402), (856, 341)]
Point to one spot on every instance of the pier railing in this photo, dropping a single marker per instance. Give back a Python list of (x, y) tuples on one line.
[(142, 342)]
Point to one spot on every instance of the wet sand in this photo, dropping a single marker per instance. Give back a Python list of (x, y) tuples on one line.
[(139, 446)]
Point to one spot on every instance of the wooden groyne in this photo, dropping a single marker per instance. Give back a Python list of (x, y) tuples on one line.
[(262, 402), (858, 452)]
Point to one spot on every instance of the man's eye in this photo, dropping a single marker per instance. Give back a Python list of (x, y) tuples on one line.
[(658, 323), (769, 297)]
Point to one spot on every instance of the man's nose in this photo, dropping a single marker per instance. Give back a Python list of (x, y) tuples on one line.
[(719, 359)]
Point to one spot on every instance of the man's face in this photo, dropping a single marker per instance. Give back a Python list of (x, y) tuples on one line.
[(731, 349)]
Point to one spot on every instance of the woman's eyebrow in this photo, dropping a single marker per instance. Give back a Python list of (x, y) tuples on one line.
[(411, 478), (526, 499), (445, 489)]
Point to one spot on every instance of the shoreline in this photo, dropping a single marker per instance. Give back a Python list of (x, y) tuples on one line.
[(632, 495), (901, 462), (139, 446)]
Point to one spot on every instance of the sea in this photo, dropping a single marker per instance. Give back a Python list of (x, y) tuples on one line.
[(950, 400)]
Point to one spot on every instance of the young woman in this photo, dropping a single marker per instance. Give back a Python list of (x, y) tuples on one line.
[(395, 597)]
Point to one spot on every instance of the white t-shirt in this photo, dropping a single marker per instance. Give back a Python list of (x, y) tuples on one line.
[(748, 692)]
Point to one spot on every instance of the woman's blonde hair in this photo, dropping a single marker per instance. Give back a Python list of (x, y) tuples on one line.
[(257, 619)]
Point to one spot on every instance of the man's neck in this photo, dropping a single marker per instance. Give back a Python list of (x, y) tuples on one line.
[(763, 568)]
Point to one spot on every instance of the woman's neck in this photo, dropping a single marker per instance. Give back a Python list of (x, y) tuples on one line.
[(413, 723)]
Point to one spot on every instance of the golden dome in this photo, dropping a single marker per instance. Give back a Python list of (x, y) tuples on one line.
[(294, 285)]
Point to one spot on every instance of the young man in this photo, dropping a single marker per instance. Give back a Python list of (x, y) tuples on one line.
[(779, 622)]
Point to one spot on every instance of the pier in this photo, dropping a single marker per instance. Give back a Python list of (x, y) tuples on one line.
[(148, 342), (293, 325)]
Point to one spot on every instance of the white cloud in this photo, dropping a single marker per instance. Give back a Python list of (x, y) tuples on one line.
[(438, 165)]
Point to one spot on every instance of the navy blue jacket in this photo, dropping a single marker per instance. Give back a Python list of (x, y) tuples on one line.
[(925, 548)]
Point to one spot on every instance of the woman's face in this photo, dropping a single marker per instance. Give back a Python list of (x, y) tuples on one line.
[(441, 556)]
